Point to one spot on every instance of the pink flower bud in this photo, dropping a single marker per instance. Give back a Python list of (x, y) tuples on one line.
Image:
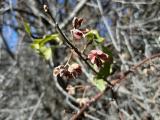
[(97, 57), (77, 34), (76, 22)]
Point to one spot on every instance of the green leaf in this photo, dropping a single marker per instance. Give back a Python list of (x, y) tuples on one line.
[(107, 51), (93, 35), (100, 84), (100, 40), (35, 46), (104, 71), (47, 38), (38, 41), (51, 37), (107, 66), (27, 27), (46, 52), (39, 45)]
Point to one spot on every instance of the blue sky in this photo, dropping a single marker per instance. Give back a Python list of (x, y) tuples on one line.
[(10, 35)]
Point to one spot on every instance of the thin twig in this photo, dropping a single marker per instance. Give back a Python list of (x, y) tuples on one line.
[(87, 105), (36, 107), (145, 60), (135, 3), (108, 27), (67, 40), (70, 98), (125, 74), (114, 82)]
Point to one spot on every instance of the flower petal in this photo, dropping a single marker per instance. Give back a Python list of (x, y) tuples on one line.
[(77, 34), (103, 57), (99, 52), (93, 60)]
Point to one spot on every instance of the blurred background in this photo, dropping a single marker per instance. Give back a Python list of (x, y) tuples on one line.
[(131, 29)]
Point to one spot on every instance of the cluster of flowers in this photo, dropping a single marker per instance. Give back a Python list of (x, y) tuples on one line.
[(68, 72), (96, 57)]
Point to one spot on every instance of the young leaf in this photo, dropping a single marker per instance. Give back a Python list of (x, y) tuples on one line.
[(46, 52), (100, 39), (27, 28), (106, 69), (107, 51), (100, 84), (38, 41), (93, 35), (54, 37), (35, 46), (39, 45)]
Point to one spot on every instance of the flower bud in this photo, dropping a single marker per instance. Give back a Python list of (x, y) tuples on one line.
[(76, 22), (75, 69), (77, 34), (97, 57)]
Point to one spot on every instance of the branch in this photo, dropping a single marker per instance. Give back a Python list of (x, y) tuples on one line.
[(125, 74), (114, 82), (88, 104), (70, 98), (145, 60), (46, 9), (135, 3)]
